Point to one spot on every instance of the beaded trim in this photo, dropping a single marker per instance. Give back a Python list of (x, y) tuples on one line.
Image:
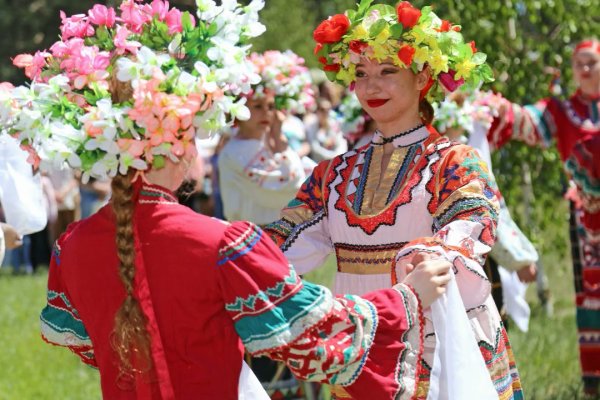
[(385, 140)]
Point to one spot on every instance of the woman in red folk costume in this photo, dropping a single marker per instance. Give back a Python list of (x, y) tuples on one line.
[(163, 301), (409, 192), (574, 125)]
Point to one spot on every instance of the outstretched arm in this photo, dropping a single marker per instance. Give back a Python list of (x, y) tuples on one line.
[(370, 345)]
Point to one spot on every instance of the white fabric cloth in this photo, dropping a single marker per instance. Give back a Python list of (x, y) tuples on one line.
[(256, 183), (459, 371), (513, 291), (21, 192), (249, 387)]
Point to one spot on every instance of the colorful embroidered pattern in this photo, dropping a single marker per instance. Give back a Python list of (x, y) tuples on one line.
[(265, 298), (155, 195), (364, 259), (241, 246), (61, 325)]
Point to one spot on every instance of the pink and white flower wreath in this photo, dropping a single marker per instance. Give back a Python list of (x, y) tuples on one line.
[(285, 75), (186, 76)]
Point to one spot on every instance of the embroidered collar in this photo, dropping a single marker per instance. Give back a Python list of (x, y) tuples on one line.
[(152, 194), (403, 139)]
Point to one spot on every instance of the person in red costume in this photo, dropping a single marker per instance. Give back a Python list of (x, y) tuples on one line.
[(573, 126)]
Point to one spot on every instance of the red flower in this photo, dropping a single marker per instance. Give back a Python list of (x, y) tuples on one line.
[(332, 67), (332, 29), (408, 16), (323, 60), (318, 48), (472, 43), (357, 46), (446, 25), (405, 54)]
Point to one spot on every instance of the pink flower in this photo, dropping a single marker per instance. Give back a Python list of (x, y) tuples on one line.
[(122, 44), (173, 21), (102, 15), (158, 8), (134, 147), (33, 64), (447, 80), (132, 14), (75, 26)]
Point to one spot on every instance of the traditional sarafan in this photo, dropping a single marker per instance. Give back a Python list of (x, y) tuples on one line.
[(435, 196)]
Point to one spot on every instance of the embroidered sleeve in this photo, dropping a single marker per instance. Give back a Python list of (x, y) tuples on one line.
[(465, 213), (371, 345), (302, 232), (532, 124), (60, 321), (268, 179)]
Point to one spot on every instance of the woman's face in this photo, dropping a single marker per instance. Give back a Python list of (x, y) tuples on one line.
[(388, 92), (586, 71), (262, 114)]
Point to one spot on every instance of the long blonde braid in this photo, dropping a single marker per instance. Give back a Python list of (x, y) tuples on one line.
[(130, 338)]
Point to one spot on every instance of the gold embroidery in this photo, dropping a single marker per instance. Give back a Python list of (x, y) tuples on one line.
[(378, 186), (366, 261)]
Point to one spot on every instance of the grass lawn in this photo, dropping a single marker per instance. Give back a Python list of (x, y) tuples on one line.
[(31, 369)]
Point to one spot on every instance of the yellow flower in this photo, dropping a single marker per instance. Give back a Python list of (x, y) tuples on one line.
[(438, 62), (418, 34), (347, 75), (421, 55), (383, 36), (464, 68), (360, 33), (380, 52)]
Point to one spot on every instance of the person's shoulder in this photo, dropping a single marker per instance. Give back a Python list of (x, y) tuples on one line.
[(240, 238)]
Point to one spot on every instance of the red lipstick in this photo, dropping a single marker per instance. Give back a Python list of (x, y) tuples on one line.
[(374, 103)]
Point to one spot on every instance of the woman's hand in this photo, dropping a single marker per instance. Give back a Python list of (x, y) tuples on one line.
[(11, 237), (528, 273), (428, 277)]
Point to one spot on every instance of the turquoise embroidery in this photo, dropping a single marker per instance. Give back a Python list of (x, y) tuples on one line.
[(241, 304)]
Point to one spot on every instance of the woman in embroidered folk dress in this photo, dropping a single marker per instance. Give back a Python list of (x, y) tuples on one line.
[(572, 124), (410, 190), (166, 309)]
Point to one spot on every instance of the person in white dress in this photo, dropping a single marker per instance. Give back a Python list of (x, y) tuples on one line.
[(258, 171)]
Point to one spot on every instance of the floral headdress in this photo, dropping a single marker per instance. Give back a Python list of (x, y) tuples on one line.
[(285, 75), (410, 37), (474, 107), (128, 88)]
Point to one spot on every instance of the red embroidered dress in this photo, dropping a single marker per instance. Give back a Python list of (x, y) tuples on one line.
[(574, 125), (435, 195), (209, 289)]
